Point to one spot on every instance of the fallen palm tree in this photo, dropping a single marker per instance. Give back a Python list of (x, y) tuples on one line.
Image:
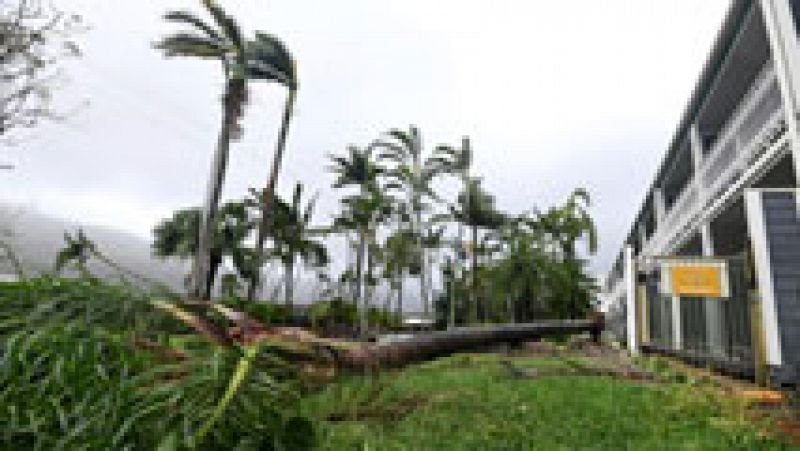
[(435, 344), (303, 345)]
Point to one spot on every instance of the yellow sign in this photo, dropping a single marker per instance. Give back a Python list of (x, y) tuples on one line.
[(696, 280)]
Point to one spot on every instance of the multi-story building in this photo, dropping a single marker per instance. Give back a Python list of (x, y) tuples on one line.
[(726, 188)]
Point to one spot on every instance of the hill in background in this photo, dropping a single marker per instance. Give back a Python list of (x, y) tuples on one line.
[(36, 238)]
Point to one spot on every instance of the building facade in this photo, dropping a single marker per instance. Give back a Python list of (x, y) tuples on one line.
[(726, 188)]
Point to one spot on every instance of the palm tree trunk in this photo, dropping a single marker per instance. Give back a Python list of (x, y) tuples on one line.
[(474, 290), (569, 256), (362, 247), (431, 265), (400, 298), (288, 267), (423, 277), (417, 208), (202, 262), (269, 191), (387, 304), (451, 323)]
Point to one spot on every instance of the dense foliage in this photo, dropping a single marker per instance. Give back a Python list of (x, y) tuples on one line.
[(96, 366)]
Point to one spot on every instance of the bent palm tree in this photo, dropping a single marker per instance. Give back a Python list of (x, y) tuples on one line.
[(221, 41), (269, 60), (178, 237)]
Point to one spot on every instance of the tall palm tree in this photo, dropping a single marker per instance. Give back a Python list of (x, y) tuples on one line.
[(269, 60), (220, 40), (414, 173), (178, 236), (475, 209), (293, 235), (363, 212)]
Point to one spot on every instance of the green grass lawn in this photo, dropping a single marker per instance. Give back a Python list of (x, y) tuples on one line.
[(470, 401)]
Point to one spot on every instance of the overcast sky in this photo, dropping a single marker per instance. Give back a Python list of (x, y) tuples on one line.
[(554, 94)]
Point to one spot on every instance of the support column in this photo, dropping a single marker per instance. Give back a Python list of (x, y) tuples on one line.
[(766, 290), (630, 300), (713, 306), (677, 336), (783, 40)]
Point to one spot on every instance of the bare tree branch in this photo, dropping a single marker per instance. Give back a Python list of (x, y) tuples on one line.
[(34, 38)]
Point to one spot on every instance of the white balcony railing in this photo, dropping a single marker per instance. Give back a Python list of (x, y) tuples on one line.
[(752, 116), (756, 123)]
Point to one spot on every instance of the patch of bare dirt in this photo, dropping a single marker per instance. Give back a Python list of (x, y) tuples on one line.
[(383, 413)]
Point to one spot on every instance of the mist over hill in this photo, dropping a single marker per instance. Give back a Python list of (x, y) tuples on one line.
[(36, 238)]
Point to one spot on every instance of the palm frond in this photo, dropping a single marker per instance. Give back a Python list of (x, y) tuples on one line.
[(269, 59), (188, 18), (227, 24), (406, 138), (191, 45)]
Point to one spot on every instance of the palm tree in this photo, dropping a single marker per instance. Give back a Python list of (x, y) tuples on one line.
[(178, 237), (399, 258), (220, 40), (77, 250), (293, 233), (567, 225), (363, 211), (269, 60), (456, 161), (362, 214), (475, 208), (414, 173), (519, 272)]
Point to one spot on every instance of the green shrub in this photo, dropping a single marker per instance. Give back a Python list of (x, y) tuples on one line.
[(327, 314)]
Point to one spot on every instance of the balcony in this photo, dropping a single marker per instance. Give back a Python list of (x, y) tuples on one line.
[(755, 124), (757, 119)]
